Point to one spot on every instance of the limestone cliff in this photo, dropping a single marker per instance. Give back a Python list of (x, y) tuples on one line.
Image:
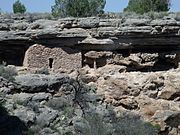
[(119, 35), (122, 32), (123, 75)]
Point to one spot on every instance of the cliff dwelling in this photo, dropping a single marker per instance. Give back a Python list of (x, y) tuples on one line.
[(137, 44), (38, 56), (69, 68)]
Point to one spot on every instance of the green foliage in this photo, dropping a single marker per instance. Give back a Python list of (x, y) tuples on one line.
[(144, 6), (8, 72), (156, 15), (93, 124), (18, 7), (0, 11), (134, 125), (77, 8), (33, 130)]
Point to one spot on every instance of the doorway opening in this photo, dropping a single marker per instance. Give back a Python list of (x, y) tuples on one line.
[(51, 62)]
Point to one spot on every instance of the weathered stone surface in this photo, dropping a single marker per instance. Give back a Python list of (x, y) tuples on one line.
[(22, 98), (136, 22), (151, 33), (134, 30), (96, 55), (41, 97), (4, 27), (25, 114), (88, 22), (110, 22), (40, 83), (55, 108), (19, 26), (168, 22), (154, 95), (131, 66), (97, 42), (111, 70), (46, 116), (6, 86), (74, 32)]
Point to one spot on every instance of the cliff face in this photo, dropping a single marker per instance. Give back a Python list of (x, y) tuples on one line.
[(122, 33), (130, 65), (118, 35)]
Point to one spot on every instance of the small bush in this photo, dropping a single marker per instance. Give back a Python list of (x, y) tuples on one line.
[(77, 8), (8, 72), (133, 15), (93, 124), (156, 15), (134, 125), (34, 130)]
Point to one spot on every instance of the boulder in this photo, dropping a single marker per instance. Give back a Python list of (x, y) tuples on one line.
[(90, 22), (33, 83)]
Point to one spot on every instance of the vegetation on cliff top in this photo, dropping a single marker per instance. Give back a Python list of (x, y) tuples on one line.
[(78, 8), (18, 7), (144, 6), (85, 8)]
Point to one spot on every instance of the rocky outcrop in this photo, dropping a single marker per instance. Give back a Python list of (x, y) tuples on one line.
[(154, 95), (138, 61), (128, 66), (107, 34), (68, 39), (58, 104), (120, 34)]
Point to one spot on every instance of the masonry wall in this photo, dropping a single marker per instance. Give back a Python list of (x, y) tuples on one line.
[(65, 59)]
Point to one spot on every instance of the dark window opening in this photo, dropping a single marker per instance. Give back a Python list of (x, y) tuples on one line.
[(101, 62), (50, 62)]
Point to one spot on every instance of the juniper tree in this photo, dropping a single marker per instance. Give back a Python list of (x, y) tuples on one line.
[(18, 7), (144, 6), (77, 8)]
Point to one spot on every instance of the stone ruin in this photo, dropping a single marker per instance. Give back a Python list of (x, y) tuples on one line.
[(71, 43)]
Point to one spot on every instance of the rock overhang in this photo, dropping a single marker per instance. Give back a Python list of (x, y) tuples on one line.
[(107, 33)]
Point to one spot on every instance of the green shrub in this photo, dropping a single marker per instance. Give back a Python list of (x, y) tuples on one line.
[(33, 130), (134, 125), (156, 15), (77, 8), (93, 124), (0, 11), (8, 72), (18, 7), (144, 6)]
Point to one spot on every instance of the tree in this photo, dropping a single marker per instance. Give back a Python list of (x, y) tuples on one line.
[(18, 7), (144, 6), (77, 8)]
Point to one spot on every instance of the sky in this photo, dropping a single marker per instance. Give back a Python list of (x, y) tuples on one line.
[(45, 5)]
